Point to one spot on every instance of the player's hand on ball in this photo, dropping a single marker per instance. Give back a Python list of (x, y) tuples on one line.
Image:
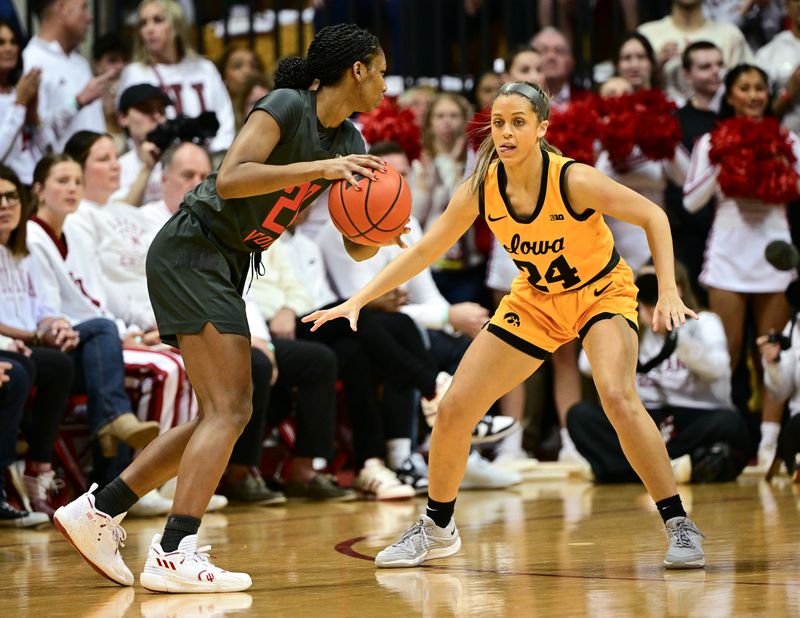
[(347, 168), (398, 240), (348, 309), (670, 311)]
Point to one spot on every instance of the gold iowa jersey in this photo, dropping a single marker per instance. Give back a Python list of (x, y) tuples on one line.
[(556, 249)]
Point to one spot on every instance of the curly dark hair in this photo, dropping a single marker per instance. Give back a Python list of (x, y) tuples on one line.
[(332, 52)]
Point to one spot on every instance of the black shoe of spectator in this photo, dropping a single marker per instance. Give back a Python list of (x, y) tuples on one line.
[(14, 518), (322, 487), (414, 472), (252, 490)]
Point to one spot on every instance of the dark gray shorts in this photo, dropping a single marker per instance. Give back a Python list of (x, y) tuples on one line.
[(192, 280)]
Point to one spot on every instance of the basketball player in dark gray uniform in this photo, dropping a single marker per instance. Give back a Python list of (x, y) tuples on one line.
[(293, 145)]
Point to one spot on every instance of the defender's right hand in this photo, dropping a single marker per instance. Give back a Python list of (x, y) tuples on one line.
[(348, 309)]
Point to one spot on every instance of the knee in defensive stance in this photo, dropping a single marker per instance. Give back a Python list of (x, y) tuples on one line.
[(232, 409), (454, 414), (620, 401)]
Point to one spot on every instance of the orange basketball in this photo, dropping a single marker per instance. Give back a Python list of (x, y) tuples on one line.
[(376, 214)]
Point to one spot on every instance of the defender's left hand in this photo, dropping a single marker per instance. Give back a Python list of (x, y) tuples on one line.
[(670, 311)]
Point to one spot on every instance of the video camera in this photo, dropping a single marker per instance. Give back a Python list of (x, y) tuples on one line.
[(184, 128)]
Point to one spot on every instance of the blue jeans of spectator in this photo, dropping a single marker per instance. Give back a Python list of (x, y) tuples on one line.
[(461, 286), (100, 371), (13, 395)]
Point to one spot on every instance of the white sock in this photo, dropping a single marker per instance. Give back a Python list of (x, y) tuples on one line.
[(566, 441), (769, 433), (510, 445), (397, 451)]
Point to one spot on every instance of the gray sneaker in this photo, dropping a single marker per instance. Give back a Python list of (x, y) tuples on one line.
[(422, 541), (685, 550)]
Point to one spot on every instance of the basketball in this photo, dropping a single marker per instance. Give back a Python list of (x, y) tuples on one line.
[(376, 214)]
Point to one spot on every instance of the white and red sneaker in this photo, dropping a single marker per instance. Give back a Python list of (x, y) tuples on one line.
[(96, 535), (188, 569), (431, 406)]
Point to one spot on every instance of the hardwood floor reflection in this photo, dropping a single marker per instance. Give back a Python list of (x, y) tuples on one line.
[(562, 548)]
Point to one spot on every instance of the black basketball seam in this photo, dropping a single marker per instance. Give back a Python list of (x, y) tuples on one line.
[(366, 203), (386, 214), (366, 214), (347, 214), (373, 225), (333, 217), (388, 210)]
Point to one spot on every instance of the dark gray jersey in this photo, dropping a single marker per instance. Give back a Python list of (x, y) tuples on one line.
[(254, 223)]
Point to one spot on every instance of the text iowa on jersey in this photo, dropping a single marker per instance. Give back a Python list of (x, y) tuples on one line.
[(536, 247)]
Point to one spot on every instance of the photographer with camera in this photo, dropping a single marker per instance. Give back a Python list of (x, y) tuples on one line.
[(780, 355), (163, 56), (142, 108)]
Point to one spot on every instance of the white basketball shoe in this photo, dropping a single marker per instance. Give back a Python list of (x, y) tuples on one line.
[(96, 535), (188, 569)]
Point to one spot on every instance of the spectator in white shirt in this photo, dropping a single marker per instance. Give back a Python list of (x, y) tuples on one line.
[(780, 355), (93, 344), (58, 186), (780, 58), (23, 139), (163, 57), (759, 20), (687, 24), (111, 52), (142, 108), (69, 96)]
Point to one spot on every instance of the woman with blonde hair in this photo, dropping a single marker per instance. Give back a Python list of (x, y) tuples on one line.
[(446, 159), (164, 57)]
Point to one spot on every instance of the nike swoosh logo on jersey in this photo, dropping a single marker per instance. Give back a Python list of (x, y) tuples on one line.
[(492, 219), (603, 289)]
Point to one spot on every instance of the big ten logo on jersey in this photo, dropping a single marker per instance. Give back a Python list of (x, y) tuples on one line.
[(282, 214)]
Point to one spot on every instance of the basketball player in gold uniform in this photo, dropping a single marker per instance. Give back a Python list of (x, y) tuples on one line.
[(547, 212)]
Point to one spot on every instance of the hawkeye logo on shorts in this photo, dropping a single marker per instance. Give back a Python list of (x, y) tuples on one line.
[(512, 318), (556, 217)]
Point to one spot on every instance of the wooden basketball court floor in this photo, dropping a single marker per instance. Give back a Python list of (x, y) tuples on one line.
[(559, 548)]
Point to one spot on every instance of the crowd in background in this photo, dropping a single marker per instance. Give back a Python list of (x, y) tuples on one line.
[(96, 154)]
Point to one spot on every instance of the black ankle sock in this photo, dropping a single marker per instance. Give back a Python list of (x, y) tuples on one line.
[(670, 507), (440, 512), (115, 498), (178, 527), (426, 382)]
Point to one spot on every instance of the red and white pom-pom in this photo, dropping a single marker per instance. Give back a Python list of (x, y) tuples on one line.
[(389, 123), (645, 119), (575, 130), (756, 160)]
